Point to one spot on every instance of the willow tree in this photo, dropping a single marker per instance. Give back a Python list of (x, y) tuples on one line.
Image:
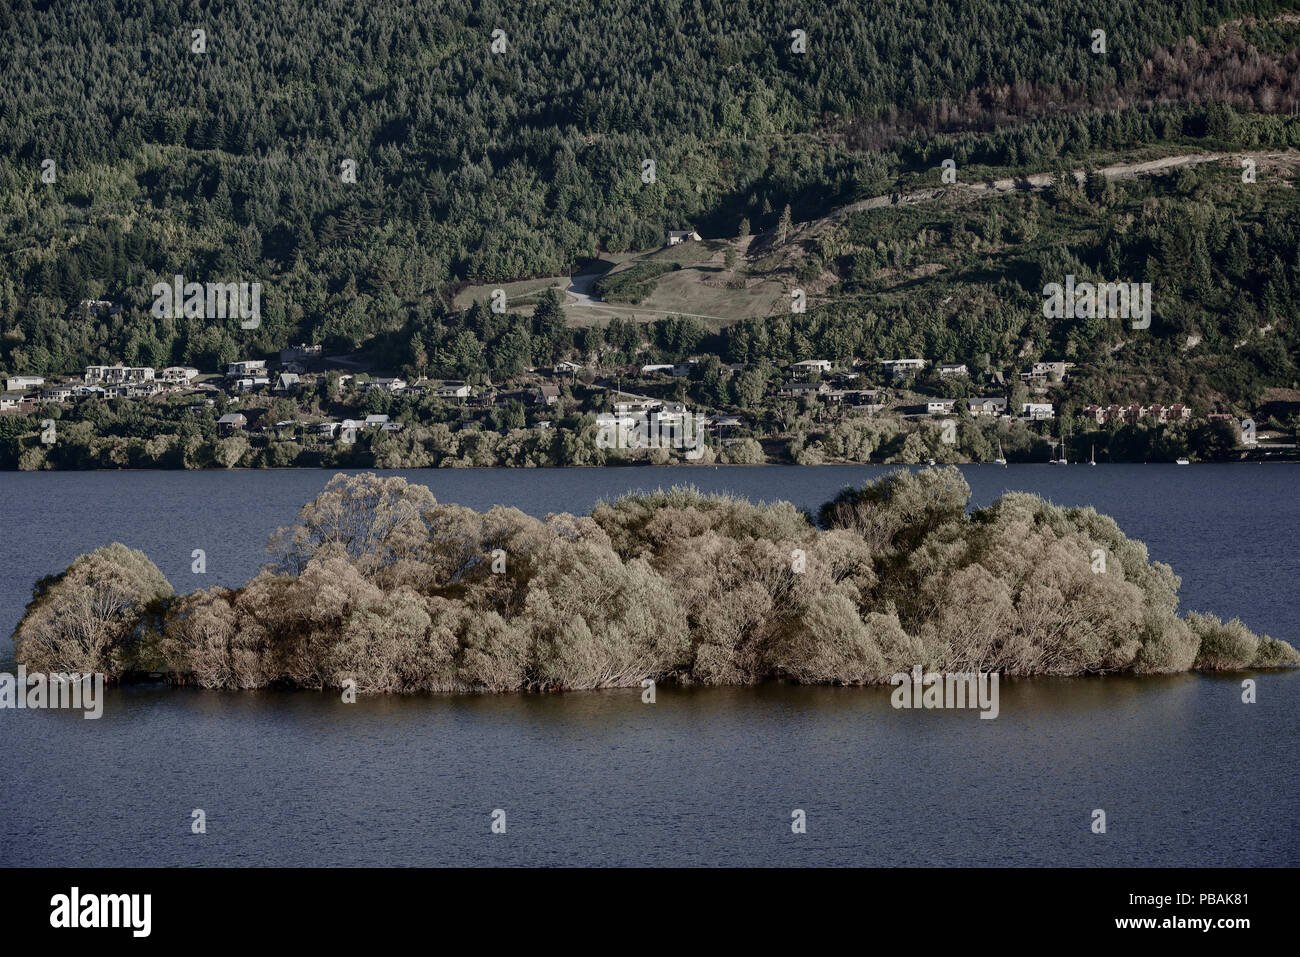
[(93, 616)]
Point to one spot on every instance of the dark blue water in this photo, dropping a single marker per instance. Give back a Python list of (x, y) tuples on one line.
[(1186, 773)]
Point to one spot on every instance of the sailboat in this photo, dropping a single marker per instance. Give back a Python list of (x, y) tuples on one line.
[(1062, 460), (1001, 459), (1093, 460)]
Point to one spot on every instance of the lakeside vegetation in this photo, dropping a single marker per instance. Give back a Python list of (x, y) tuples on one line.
[(378, 583)]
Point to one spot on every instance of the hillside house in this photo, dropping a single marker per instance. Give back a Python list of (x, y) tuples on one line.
[(678, 236), (300, 353), (809, 366), (865, 400), (1047, 371), (990, 405), (1037, 411), (900, 368), (950, 370), (800, 389), (118, 374), (547, 395), (390, 385), (22, 383), (452, 390), (231, 422), (246, 367), (324, 430), (629, 406)]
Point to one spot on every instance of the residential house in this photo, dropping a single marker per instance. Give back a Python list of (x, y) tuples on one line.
[(58, 393), (809, 366), (547, 395), (1053, 371), (567, 368), (374, 420), (390, 385), (1037, 411), (118, 374), (949, 370), (800, 389), (231, 422), (940, 406), (900, 368), (178, 374), (21, 383), (245, 368), (627, 407), (865, 400), (348, 430), (287, 382), (676, 236), (300, 352), (1171, 413), (991, 405), (453, 390), (327, 430), (11, 401)]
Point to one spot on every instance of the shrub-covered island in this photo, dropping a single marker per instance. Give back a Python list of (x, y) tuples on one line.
[(379, 583)]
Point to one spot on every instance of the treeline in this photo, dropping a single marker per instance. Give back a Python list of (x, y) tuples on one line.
[(965, 284), (474, 165), (378, 584)]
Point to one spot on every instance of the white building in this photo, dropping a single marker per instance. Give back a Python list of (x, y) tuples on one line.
[(118, 374), (1038, 411), (246, 367), (813, 365), (898, 368), (20, 383)]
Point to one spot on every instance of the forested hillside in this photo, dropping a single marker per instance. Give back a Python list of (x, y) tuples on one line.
[(226, 164)]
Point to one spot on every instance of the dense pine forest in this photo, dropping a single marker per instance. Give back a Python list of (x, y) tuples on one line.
[(366, 163)]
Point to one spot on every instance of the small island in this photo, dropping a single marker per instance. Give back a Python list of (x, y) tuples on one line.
[(379, 587)]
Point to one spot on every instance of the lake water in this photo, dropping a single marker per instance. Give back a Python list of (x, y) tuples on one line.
[(1186, 773)]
